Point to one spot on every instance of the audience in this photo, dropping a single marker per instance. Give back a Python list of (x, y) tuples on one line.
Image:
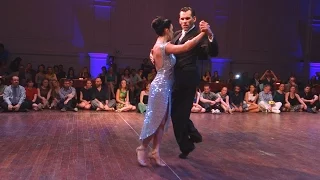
[(31, 96), (293, 101), (266, 102), (210, 101), (144, 95), (236, 100), (54, 95), (86, 94), (196, 108), (279, 96), (40, 76), (131, 95), (44, 93), (85, 74), (111, 80), (225, 100), (67, 97), (122, 97), (310, 99), (14, 97), (206, 77), (100, 98), (250, 99)]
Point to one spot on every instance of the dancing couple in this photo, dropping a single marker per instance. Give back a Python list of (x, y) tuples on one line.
[(172, 91)]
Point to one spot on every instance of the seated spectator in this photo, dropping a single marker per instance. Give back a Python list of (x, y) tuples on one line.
[(54, 96), (293, 101), (3, 56), (85, 74), (266, 102), (291, 82), (152, 75), (311, 100), (122, 97), (100, 98), (225, 100), (30, 72), (50, 75), (269, 78), (236, 99), (279, 96), (251, 98), (86, 94), (71, 74), (2, 88), (14, 97), (31, 96), (232, 79), (126, 76), (134, 86), (196, 108), (215, 77), (103, 75), (67, 97), (111, 81), (207, 77), (210, 101), (44, 93), (40, 76), (142, 75), (15, 65), (61, 74), (144, 95), (256, 81)]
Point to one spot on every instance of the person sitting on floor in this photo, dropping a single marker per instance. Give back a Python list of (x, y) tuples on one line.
[(31, 96), (293, 101), (210, 101), (225, 100), (251, 98), (86, 96), (100, 98), (310, 99), (266, 102), (122, 97), (14, 97), (67, 97), (236, 100), (196, 108)]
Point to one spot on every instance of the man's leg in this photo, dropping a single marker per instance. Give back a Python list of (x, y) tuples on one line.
[(182, 99)]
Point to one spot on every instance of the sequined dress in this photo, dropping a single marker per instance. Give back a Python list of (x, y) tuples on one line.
[(159, 102)]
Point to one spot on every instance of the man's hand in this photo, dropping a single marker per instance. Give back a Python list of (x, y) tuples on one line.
[(10, 107), (151, 56), (66, 101), (16, 107), (205, 27)]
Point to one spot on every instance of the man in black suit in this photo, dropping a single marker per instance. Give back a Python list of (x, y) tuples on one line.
[(187, 78)]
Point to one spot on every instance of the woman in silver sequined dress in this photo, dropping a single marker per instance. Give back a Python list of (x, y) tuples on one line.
[(159, 103)]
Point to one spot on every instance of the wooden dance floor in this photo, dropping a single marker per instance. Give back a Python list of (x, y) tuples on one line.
[(98, 145)]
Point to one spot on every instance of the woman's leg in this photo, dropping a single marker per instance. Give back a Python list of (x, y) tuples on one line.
[(82, 105)]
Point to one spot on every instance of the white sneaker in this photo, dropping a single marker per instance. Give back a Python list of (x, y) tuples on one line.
[(218, 111), (276, 111)]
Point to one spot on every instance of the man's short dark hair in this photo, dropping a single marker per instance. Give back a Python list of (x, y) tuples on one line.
[(185, 9), (266, 85), (207, 85)]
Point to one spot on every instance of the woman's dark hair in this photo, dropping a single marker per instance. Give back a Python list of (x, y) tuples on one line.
[(159, 24), (255, 89)]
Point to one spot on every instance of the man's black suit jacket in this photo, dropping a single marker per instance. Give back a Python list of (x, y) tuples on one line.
[(186, 63)]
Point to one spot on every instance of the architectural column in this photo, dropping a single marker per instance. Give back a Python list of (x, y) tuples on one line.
[(97, 60)]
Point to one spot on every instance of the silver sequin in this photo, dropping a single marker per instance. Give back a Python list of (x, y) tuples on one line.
[(159, 96)]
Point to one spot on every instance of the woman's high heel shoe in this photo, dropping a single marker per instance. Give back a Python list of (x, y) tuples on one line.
[(155, 156), (141, 156)]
